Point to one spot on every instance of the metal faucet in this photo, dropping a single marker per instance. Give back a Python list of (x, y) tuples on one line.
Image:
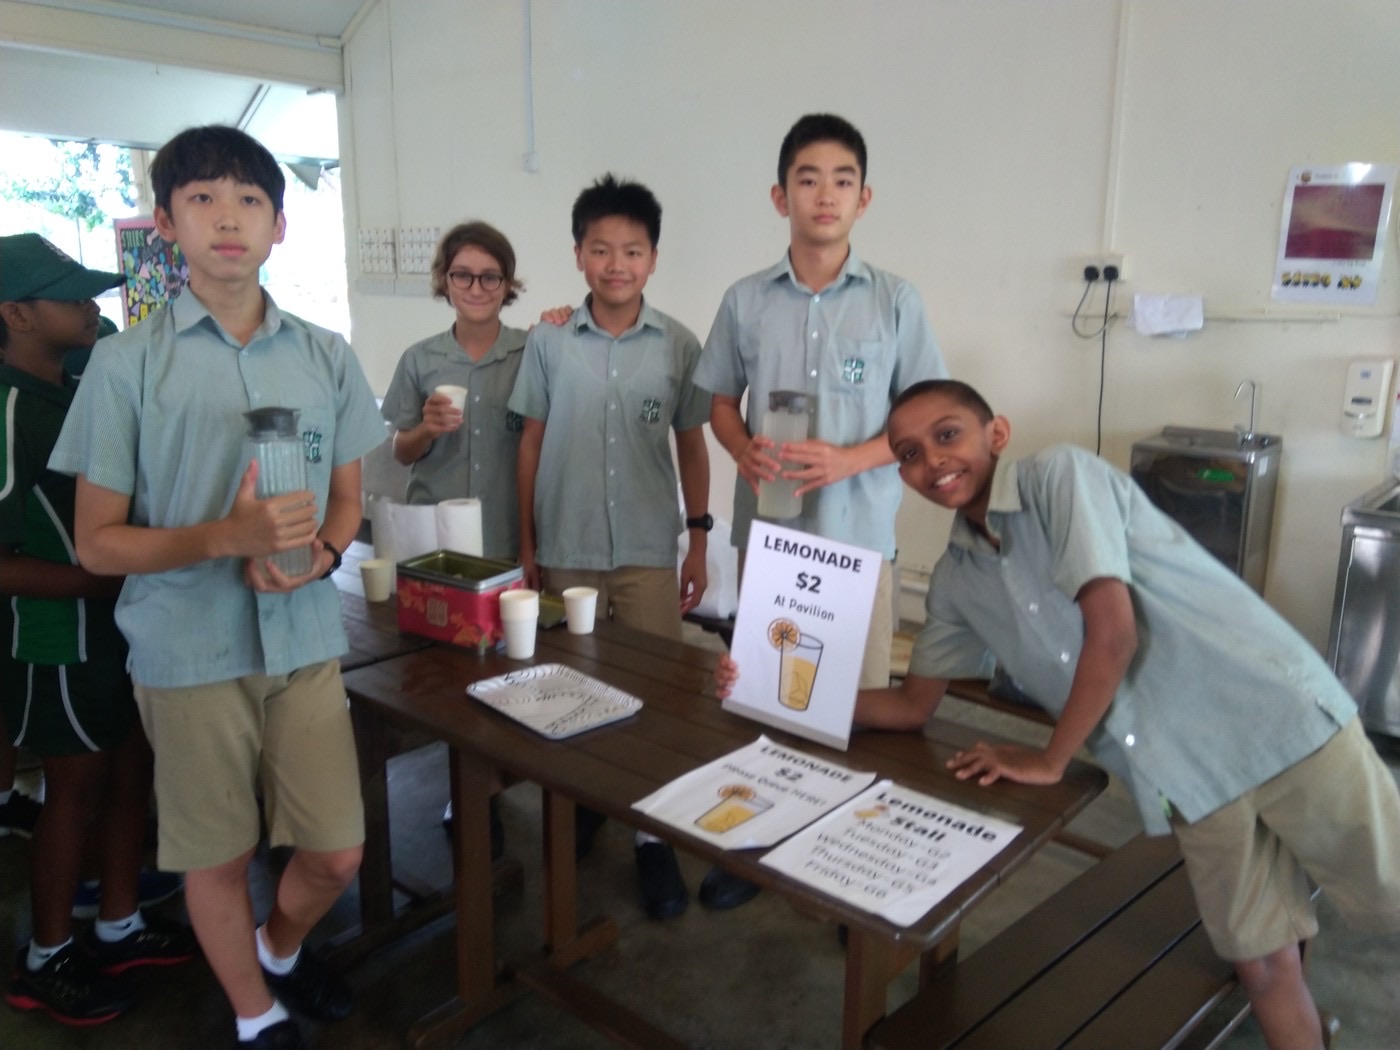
[(1247, 436)]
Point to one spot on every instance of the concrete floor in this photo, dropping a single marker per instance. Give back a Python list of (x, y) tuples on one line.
[(763, 976)]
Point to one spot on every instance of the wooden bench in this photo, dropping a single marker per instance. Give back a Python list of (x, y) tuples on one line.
[(1118, 958)]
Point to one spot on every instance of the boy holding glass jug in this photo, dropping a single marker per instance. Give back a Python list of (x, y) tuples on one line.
[(236, 663)]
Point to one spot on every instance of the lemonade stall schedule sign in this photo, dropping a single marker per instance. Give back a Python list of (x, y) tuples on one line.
[(799, 633), (892, 851), (755, 796)]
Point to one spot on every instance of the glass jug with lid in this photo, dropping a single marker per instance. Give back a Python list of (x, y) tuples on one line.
[(787, 419), (276, 443)]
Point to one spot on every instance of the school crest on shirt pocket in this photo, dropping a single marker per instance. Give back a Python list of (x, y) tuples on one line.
[(651, 410), (515, 422), (853, 370), (311, 437)]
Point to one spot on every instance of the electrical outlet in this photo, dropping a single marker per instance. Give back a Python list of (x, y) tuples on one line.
[(1101, 262)]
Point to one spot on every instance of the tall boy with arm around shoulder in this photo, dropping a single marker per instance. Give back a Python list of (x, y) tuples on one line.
[(236, 664), (823, 322), (1224, 723)]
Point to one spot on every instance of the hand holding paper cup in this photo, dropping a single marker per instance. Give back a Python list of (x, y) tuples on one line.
[(581, 607), (456, 394), (378, 577), (520, 616)]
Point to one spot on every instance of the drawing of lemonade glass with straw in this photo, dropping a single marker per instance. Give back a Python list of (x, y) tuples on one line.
[(798, 657), (737, 803)]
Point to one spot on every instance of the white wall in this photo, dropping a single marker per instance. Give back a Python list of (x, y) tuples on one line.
[(1008, 139)]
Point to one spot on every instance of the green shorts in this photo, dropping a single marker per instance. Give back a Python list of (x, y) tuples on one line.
[(1332, 819), (53, 710), (217, 744)]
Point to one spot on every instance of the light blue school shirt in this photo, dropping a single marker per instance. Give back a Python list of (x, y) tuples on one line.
[(159, 417), (605, 492), (478, 459), (856, 345), (1222, 695)]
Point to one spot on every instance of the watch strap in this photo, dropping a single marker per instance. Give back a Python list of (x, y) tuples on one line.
[(336, 559)]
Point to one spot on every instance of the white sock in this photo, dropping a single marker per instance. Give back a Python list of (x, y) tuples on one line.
[(272, 963), (643, 838), (38, 956), (110, 932), (249, 1027)]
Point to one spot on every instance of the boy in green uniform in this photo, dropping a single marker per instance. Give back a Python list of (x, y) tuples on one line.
[(64, 689), (601, 395)]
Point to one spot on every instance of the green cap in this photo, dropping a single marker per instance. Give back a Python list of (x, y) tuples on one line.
[(33, 268)]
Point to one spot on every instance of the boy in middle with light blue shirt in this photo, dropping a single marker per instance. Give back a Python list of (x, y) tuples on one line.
[(601, 395)]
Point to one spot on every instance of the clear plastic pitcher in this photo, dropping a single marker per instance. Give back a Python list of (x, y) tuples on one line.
[(275, 442), (786, 420)]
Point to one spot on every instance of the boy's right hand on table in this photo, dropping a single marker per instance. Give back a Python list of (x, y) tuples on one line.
[(440, 416), (756, 463), (726, 674), (259, 527)]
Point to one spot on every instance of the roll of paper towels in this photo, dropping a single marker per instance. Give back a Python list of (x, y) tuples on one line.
[(403, 530), (459, 526)]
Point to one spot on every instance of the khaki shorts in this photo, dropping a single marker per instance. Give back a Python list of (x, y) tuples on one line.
[(875, 661), (1332, 819), (634, 596), (217, 744)]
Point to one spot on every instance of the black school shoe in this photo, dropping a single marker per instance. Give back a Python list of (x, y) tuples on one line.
[(284, 1035), (721, 891), (312, 989), (159, 944), (68, 988), (664, 895)]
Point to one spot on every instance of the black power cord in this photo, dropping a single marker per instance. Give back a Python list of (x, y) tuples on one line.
[(1091, 277)]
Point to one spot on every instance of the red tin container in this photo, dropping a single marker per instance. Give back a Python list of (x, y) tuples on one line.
[(455, 598)]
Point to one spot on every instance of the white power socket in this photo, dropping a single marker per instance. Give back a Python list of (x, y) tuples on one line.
[(1102, 261)]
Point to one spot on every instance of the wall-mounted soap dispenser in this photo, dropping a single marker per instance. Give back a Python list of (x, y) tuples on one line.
[(1366, 396)]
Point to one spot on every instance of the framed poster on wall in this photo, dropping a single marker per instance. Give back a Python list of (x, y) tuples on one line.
[(1332, 238), (155, 270)]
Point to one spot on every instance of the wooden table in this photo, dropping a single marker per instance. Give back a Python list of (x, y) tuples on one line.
[(609, 768)]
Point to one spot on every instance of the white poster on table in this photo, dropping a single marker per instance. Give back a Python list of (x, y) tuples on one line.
[(755, 796), (892, 851), (799, 634)]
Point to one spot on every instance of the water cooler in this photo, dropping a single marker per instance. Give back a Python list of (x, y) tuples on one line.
[(1219, 485), (1364, 646)]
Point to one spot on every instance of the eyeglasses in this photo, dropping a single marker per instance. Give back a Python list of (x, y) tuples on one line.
[(462, 280)]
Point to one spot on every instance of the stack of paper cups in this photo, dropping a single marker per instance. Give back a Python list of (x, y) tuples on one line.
[(520, 615)]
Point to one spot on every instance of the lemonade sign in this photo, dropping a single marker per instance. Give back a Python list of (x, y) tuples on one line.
[(799, 635)]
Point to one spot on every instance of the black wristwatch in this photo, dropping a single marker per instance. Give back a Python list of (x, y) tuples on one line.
[(335, 564), (705, 521)]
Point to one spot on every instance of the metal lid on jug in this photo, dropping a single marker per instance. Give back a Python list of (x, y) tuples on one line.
[(793, 401), (272, 421)]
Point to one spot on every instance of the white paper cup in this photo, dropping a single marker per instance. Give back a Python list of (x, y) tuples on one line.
[(520, 617), (580, 606), (458, 395), (378, 577)]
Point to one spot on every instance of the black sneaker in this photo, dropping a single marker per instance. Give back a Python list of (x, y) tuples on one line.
[(284, 1035), (67, 988), (18, 815), (313, 989), (159, 944)]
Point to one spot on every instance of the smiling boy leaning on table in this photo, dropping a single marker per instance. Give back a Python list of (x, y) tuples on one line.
[(1228, 728)]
